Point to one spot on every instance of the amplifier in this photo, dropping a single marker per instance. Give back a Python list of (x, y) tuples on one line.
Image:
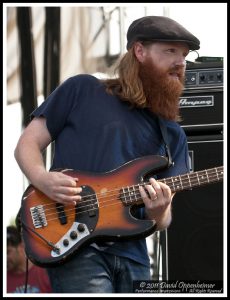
[(202, 110), (204, 75), (201, 104), (194, 248)]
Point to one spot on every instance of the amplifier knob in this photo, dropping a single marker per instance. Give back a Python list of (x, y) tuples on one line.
[(202, 77)]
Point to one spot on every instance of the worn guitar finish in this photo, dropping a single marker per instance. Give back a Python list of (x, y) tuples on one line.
[(53, 233)]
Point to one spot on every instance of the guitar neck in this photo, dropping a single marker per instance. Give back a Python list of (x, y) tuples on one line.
[(194, 179), (130, 195)]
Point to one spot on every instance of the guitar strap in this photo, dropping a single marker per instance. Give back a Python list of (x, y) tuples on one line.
[(164, 134)]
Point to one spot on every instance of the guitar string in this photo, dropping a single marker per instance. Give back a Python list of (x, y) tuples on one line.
[(123, 196), (93, 209), (134, 186), (103, 202), (185, 178)]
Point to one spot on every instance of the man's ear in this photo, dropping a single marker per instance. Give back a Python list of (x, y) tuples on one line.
[(140, 51)]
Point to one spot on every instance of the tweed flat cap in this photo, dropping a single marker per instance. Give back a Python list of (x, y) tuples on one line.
[(158, 28)]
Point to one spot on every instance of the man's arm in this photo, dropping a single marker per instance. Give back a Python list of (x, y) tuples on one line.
[(28, 153)]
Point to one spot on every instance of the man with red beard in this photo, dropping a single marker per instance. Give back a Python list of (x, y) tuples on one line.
[(99, 125)]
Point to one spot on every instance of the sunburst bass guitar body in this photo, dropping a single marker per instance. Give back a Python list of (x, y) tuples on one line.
[(52, 232)]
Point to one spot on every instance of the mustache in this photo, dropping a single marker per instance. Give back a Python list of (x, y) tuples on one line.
[(180, 71)]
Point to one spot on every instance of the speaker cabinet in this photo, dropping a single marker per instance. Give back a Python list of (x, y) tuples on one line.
[(195, 236), (202, 110)]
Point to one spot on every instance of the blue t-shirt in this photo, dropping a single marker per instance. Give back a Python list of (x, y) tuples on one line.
[(94, 131)]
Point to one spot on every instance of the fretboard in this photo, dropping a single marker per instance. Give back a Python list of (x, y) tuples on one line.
[(194, 179), (130, 195)]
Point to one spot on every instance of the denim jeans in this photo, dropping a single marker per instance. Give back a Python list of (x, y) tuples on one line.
[(94, 271)]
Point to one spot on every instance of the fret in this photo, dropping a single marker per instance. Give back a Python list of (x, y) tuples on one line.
[(176, 181), (123, 196), (212, 175), (127, 194), (194, 179), (173, 186), (138, 198), (198, 179), (189, 180), (185, 182), (181, 182), (217, 175), (165, 181), (136, 193), (202, 176), (207, 175), (133, 194)]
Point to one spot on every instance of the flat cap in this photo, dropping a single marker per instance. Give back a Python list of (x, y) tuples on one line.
[(162, 29)]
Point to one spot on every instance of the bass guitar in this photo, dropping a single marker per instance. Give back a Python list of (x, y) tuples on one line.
[(52, 232)]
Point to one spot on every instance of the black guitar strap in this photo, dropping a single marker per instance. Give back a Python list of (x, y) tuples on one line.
[(165, 139)]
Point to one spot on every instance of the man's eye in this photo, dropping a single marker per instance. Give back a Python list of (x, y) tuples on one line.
[(171, 50)]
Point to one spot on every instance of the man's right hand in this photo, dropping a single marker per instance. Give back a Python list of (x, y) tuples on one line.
[(59, 187)]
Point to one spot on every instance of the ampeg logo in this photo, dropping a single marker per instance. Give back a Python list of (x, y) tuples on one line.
[(196, 101)]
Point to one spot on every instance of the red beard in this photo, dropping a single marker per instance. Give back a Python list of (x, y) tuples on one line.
[(161, 91)]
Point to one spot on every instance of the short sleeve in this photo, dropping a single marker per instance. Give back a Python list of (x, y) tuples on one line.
[(58, 105)]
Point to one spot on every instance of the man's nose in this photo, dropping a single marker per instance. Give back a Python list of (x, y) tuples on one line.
[(181, 62)]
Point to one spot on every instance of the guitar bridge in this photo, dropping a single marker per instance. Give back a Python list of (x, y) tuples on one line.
[(38, 216)]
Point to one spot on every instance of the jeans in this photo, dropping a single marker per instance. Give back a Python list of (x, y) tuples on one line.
[(94, 271)]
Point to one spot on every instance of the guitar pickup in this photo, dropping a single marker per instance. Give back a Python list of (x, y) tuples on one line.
[(91, 201), (61, 213), (92, 211)]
